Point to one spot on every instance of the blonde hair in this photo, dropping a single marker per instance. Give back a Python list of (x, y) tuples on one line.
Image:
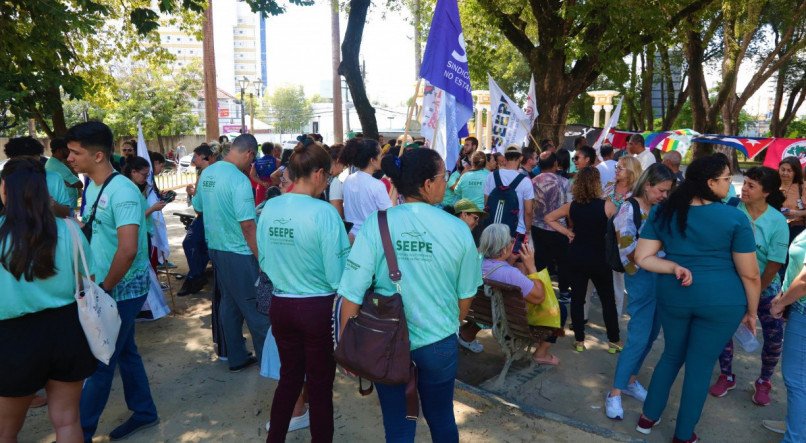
[(633, 168)]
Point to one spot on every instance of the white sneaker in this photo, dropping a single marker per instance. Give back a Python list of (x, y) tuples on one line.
[(636, 391), (296, 423), (472, 346), (613, 408)]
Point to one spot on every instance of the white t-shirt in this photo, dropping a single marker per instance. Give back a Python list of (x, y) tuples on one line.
[(607, 172), (336, 191), (524, 190), (363, 195), (646, 158)]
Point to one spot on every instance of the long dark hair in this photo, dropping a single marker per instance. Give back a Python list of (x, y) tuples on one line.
[(135, 164), (359, 153), (695, 185), (28, 234), (770, 183), (797, 172)]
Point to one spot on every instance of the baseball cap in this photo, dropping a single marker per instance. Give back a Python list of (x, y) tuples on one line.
[(465, 205), (513, 149)]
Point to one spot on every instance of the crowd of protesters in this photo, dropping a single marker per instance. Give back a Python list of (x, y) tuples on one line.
[(303, 225)]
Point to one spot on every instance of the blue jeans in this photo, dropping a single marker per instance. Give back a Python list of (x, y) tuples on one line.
[(436, 367), (195, 247), (643, 328), (693, 336), (135, 381), (793, 367)]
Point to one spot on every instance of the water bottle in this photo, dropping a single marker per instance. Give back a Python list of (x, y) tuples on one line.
[(746, 339)]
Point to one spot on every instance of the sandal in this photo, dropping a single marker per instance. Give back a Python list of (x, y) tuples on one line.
[(550, 360), (579, 346), (614, 348)]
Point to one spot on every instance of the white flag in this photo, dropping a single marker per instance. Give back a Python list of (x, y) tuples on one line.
[(611, 124), (530, 108), (160, 237), (509, 123)]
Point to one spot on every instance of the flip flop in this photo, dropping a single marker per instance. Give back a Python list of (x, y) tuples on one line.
[(552, 360)]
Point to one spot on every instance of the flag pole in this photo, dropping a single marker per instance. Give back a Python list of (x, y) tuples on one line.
[(412, 105), (529, 133)]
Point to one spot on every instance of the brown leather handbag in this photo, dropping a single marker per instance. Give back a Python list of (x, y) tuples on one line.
[(375, 343)]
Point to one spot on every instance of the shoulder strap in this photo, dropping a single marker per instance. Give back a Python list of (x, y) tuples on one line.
[(98, 199), (497, 177), (386, 240), (636, 213), (517, 181)]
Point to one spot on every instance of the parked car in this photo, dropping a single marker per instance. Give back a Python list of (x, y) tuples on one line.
[(186, 164)]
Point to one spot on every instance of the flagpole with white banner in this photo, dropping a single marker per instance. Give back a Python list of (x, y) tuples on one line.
[(155, 302), (447, 101), (530, 108), (509, 121), (612, 123)]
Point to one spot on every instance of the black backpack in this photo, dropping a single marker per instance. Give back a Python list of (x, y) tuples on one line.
[(502, 203), (611, 239)]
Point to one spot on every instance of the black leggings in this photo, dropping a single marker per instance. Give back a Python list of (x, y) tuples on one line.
[(602, 278)]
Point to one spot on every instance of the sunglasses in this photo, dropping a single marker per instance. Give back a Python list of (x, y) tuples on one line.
[(127, 150)]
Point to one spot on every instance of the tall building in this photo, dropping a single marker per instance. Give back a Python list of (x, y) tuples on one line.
[(239, 44)]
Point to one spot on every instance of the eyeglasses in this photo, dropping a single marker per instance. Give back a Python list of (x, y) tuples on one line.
[(445, 174), (127, 150), (144, 172), (725, 177), (619, 168)]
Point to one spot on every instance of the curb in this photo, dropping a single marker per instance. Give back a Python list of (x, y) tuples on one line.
[(548, 415)]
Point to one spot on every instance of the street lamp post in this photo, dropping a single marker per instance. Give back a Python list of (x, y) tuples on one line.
[(258, 86), (243, 83)]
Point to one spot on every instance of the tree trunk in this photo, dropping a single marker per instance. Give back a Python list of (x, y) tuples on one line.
[(647, 76), (210, 87), (775, 120), (418, 48), (335, 36), (351, 69)]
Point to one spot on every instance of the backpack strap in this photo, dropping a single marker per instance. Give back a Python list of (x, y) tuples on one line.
[(97, 200), (497, 178), (636, 215), (517, 181)]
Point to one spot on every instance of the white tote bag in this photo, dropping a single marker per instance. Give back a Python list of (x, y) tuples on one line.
[(97, 311)]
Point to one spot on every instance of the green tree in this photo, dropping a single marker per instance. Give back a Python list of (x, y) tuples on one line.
[(288, 109), (53, 47), (159, 98)]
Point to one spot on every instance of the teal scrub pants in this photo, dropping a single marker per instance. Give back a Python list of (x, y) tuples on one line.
[(694, 336)]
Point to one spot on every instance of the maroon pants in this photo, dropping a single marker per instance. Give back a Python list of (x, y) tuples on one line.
[(302, 330)]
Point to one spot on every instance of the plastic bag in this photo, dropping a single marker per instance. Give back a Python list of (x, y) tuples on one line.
[(546, 313)]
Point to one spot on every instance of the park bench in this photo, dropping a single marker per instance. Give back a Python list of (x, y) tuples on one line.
[(501, 307)]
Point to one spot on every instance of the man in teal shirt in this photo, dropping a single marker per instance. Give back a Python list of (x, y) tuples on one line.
[(120, 265), (224, 197), (57, 164)]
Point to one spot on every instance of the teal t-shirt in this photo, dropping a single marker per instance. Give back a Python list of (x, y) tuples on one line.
[(471, 186), (731, 194), (54, 165), (302, 245), (450, 196), (713, 233), (57, 189), (438, 261), (797, 256), (772, 237), (22, 297), (119, 205), (224, 196)]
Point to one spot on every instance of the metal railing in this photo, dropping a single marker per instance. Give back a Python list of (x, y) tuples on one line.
[(173, 179)]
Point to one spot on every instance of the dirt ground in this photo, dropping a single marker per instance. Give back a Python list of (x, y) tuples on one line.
[(199, 400)]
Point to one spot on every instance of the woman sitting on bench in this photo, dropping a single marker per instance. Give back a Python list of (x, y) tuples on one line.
[(496, 247)]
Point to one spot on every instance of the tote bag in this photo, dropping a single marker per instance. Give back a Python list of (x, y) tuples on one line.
[(97, 311)]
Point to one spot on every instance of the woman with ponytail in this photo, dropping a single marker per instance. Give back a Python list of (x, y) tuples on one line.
[(40, 335), (761, 203), (708, 284), (441, 272), (363, 193)]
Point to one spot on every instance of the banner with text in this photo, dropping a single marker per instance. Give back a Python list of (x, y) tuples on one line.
[(509, 123)]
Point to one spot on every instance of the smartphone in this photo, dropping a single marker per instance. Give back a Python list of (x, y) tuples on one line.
[(519, 238), (168, 196)]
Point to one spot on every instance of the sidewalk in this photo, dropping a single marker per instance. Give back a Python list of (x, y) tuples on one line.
[(576, 388)]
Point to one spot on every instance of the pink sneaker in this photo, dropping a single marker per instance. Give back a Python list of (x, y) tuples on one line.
[(723, 384), (762, 395)]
